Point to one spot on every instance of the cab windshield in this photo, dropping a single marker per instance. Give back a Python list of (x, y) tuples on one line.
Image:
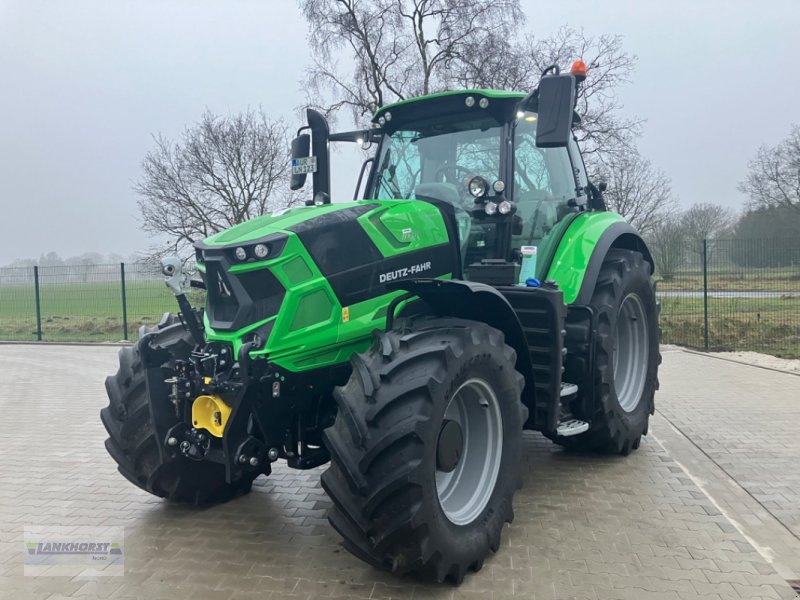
[(438, 158)]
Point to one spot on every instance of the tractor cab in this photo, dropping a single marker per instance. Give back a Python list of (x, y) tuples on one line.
[(476, 151), (479, 156)]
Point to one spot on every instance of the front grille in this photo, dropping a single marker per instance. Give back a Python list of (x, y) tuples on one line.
[(236, 301), (222, 304), (265, 291)]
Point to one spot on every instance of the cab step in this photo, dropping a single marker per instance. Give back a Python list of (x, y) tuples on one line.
[(567, 425), (571, 427), (568, 389)]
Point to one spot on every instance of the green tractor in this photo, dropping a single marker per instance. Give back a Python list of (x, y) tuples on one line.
[(477, 289)]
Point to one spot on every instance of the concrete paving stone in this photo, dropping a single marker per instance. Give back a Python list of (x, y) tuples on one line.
[(590, 527)]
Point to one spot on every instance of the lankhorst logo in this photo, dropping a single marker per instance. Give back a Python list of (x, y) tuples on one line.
[(72, 551), (74, 548)]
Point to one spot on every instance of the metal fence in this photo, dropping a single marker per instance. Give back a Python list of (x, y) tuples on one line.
[(81, 303), (714, 294), (731, 294)]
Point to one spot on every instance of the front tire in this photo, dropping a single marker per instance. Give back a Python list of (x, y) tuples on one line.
[(627, 356), (425, 449), (133, 440)]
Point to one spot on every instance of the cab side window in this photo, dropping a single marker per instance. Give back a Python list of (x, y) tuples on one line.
[(543, 183)]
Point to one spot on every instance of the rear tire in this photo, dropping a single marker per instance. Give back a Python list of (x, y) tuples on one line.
[(133, 442), (627, 356), (400, 484)]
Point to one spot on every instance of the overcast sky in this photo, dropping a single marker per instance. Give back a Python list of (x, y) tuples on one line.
[(84, 84)]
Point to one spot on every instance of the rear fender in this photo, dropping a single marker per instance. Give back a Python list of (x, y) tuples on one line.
[(583, 248)]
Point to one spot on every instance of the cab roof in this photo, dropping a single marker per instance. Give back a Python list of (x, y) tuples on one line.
[(500, 103)]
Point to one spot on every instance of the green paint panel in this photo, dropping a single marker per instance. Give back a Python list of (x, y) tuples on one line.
[(313, 308), (297, 271), (575, 250), (398, 226)]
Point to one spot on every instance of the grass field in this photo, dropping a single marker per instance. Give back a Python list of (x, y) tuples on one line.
[(768, 325), (758, 280), (92, 312), (82, 312)]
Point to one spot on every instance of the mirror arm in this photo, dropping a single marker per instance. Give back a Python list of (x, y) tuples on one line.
[(525, 103), (597, 201)]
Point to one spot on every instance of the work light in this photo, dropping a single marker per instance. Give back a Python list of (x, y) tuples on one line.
[(477, 186)]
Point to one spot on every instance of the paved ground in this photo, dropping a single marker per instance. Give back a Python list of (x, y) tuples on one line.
[(746, 421), (712, 515)]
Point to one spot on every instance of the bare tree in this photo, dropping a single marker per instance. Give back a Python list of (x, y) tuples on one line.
[(774, 176), (667, 242), (397, 49), (707, 221), (223, 171), (638, 192)]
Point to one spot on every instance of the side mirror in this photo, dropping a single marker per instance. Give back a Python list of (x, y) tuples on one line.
[(320, 136), (556, 104), (302, 163)]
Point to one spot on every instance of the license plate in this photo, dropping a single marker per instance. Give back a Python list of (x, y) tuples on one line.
[(304, 165)]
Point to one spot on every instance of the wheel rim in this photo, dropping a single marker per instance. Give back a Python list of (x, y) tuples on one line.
[(465, 489), (631, 352)]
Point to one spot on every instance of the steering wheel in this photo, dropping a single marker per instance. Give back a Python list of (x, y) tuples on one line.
[(450, 174), (454, 169)]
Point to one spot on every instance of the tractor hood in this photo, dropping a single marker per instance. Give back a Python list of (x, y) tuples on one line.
[(325, 270), (276, 222)]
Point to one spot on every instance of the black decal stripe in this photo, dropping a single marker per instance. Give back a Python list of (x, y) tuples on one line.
[(336, 241), (363, 282), (352, 263)]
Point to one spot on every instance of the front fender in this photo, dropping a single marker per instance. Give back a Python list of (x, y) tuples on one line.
[(478, 302)]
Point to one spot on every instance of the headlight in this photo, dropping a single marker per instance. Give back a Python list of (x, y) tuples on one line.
[(498, 186), (469, 101), (505, 207), (240, 253), (477, 186), (261, 250), (388, 116), (483, 103), (490, 208)]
